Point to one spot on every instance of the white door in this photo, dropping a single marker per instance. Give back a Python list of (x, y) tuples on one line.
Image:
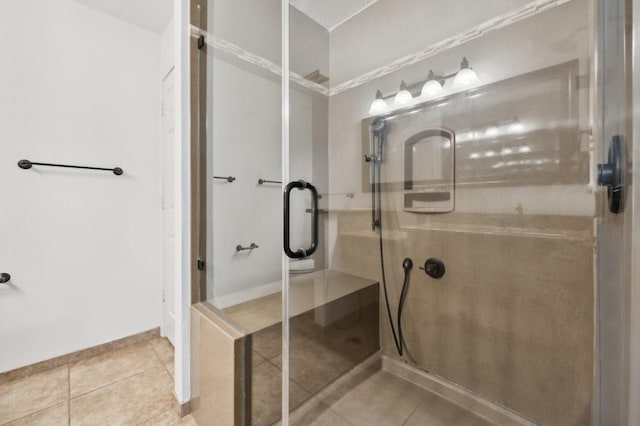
[(168, 206)]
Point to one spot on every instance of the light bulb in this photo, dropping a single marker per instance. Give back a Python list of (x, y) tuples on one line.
[(432, 87), (492, 131), (379, 105), (403, 97), (516, 127), (466, 76)]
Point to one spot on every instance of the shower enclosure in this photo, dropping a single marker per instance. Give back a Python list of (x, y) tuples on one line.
[(453, 176)]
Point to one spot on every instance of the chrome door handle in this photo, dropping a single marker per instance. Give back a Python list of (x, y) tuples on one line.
[(4, 278), (301, 185)]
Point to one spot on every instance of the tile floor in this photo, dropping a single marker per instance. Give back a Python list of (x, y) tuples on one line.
[(377, 397), (133, 386), (129, 386)]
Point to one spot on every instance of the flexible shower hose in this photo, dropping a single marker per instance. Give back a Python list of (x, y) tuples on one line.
[(406, 266)]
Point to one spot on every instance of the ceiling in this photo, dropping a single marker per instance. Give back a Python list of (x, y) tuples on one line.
[(152, 15), (331, 13)]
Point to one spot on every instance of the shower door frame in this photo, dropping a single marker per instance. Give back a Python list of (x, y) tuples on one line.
[(634, 328)]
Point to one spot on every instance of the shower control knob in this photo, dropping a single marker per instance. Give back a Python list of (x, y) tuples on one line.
[(434, 267), (4, 278)]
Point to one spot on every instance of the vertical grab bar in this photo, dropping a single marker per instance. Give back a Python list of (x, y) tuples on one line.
[(301, 185)]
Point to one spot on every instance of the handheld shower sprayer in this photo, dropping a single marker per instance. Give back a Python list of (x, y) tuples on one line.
[(375, 159)]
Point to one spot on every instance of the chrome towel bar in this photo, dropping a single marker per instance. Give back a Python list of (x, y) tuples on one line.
[(227, 178)]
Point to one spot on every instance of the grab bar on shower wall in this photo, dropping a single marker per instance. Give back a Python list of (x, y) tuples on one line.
[(227, 178), (26, 164), (261, 181)]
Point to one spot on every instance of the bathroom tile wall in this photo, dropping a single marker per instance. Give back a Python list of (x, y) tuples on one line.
[(512, 318)]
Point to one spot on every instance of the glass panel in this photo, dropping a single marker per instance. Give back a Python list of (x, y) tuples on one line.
[(614, 230), (244, 135), (453, 151), (494, 201)]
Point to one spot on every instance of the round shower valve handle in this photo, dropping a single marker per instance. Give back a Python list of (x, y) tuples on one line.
[(434, 267), (4, 278)]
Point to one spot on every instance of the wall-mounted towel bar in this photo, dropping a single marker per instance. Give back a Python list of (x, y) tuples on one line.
[(26, 164), (227, 178), (261, 181), (250, 247)]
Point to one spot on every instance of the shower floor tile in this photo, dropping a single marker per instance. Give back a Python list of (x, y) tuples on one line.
[(368, 395)]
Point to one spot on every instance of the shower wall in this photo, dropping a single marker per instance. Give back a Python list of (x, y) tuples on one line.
[(512, 319), (83, 248)]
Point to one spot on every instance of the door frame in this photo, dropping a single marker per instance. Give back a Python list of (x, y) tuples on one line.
[(634, 201)]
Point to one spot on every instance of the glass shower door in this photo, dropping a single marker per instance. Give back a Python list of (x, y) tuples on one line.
[(456, 167)]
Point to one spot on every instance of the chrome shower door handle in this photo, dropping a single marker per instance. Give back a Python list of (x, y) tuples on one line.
[(301, 185)]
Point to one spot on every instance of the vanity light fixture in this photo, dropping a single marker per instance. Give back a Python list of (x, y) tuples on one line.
[(404, 96), (466, 76), (379, 105), (432, 87)]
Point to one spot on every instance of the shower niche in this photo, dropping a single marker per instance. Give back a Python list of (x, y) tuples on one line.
[(428, 162)]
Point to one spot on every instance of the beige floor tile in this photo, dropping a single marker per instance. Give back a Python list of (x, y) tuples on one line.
[(383, 399), (170, 369), (170, 418), (129, 402), (58, 415), (437, 411), (314, 365), (34, 393), (111, 367), (316, 413), (164, 349), (266, 394)]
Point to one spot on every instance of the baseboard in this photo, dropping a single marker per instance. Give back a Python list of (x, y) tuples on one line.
[(183, 409), (28, 370), (454, 393)]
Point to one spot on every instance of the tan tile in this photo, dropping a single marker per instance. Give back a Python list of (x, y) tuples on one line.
[(170, 369), (170, 418), (383, 399), (257, 359), (58, 415), (437, 411), (316, 413), (164, 349), (315, 365), (111, 367), (31, 394), (128, 402), (266, 394), (72, 357)]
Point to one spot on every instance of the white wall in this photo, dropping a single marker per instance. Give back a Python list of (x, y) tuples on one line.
[(83, 247)]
